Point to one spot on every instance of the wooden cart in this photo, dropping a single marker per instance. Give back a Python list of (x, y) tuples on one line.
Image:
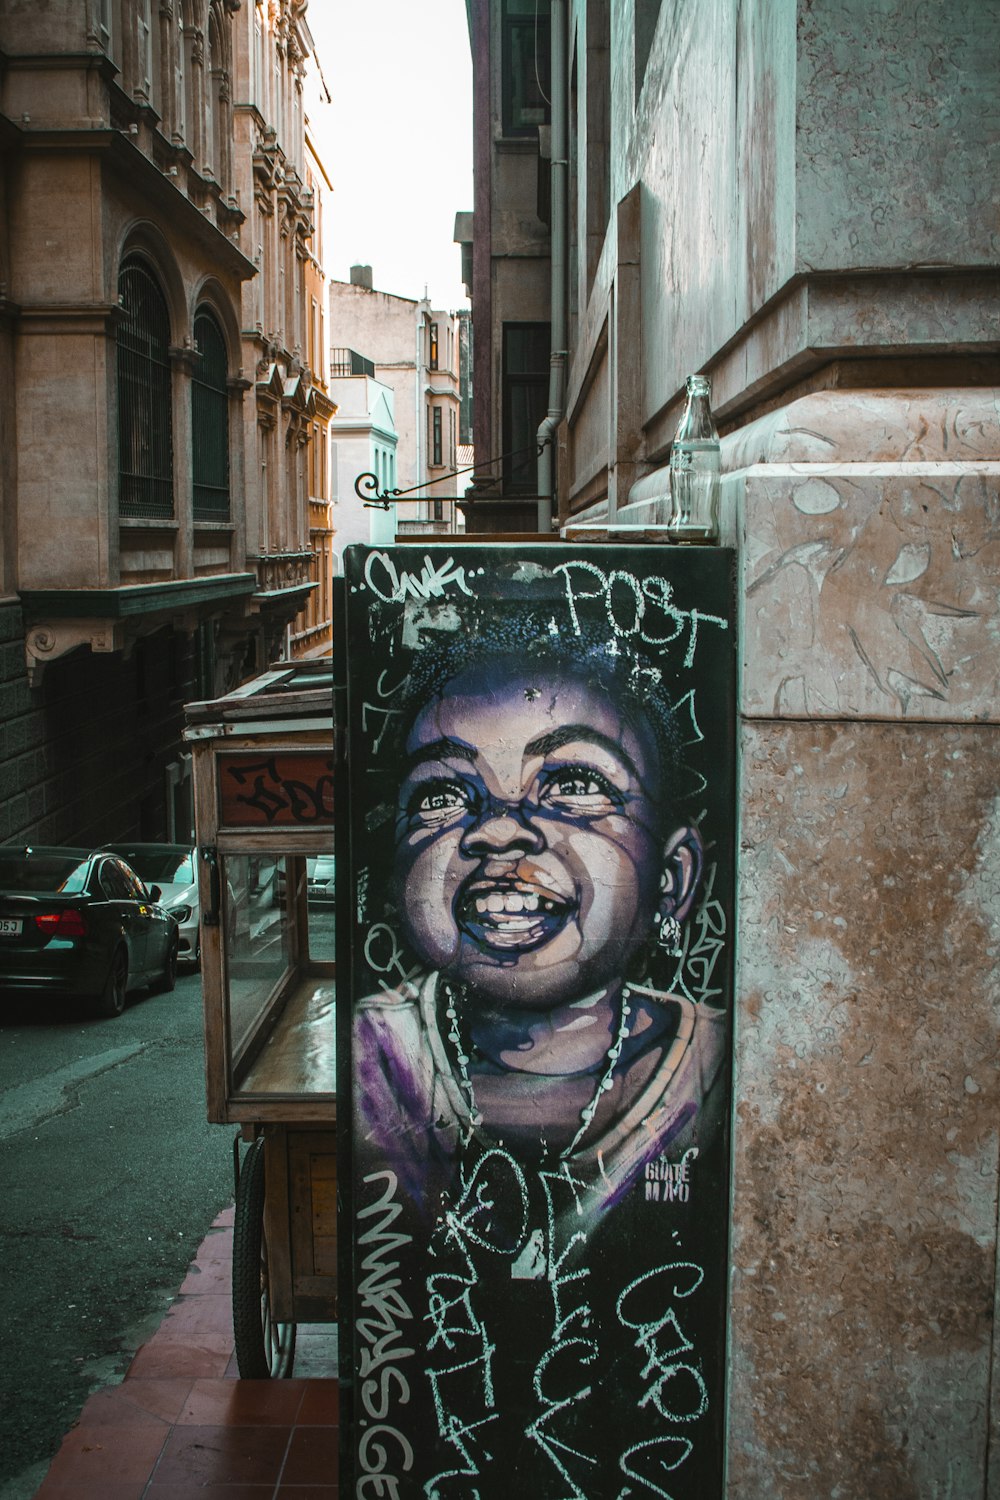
[(263, 782)]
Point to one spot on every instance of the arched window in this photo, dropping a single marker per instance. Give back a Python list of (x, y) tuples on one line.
[(210, 421), (145, 426)]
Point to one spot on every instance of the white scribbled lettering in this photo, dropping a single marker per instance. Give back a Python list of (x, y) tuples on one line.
[(375, 719), (382, 1309), (571, 1309), (462, 1390), (643, 610), (395, 586), (631, 1455), (703, 942), (661, 1362), (384, 955)]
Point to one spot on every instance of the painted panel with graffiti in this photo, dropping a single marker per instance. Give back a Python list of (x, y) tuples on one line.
[(287, 790), (541, 802)]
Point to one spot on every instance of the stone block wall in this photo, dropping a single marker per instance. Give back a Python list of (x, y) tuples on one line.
[(83, 756), (22, 734), (867, 1082)]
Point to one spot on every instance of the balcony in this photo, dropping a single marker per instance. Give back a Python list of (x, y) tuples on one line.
[(349, 362)]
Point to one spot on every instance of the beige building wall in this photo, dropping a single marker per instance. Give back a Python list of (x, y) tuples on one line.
[(116, 136), (364, 442), (313, 634), (155, 540), (288, 402), (415, 351)]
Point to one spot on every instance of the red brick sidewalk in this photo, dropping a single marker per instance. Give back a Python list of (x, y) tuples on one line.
[(183, 1426)]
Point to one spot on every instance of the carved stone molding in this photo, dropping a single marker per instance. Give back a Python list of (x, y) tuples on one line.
[(184, 357), (49, 641), (283, 570), (268, 160)]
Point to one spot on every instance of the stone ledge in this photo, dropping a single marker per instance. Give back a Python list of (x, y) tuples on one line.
[(903, 426)]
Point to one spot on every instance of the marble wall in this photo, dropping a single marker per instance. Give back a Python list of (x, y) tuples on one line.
[(898, 110), (867, 1099), (816, 192), (871, 556), (867, 1086)]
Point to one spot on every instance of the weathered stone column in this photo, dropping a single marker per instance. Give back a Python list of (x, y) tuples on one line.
[(867, 1091)]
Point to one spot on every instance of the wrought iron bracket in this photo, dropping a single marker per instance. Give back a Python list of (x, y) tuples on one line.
[(366, 486)]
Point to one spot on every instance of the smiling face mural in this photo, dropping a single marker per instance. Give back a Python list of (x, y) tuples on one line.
[(526, 846), (539, 1044)]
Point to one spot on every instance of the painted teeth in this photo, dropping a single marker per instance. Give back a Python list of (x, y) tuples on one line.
[(512, 903)]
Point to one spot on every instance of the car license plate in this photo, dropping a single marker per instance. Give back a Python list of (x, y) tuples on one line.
[(10, 926)]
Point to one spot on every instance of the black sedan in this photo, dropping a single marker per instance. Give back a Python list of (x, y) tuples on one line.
[(78, 923)]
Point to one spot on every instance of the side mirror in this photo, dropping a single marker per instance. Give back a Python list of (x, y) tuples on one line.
[(155, 893)]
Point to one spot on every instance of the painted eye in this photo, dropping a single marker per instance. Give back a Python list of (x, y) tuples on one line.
[(580, 790), (436, 802)]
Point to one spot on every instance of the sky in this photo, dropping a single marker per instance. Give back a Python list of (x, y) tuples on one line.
[(396, 140)]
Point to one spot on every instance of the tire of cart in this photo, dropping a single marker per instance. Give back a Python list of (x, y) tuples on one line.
[(265, 1349)]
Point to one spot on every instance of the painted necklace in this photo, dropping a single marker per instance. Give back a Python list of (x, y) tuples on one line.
[(604, 1083)]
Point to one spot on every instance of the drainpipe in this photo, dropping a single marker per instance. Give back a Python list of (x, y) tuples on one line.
[(420, 405), (557, 358)]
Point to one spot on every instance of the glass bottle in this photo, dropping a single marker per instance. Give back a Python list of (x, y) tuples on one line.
[(695, 462)]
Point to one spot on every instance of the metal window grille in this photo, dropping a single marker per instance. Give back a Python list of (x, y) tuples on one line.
[(145, 426), (350, 362), (210, 422), (525, 46)]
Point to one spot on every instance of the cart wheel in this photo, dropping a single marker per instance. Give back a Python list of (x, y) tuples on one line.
[(264, 1349)]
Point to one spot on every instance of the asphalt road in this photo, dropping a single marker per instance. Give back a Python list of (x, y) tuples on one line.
[(110, 1177)]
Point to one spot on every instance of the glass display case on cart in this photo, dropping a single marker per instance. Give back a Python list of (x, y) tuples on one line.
[(263, 767)]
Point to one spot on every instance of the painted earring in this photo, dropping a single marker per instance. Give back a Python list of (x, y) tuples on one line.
[(670, 934)]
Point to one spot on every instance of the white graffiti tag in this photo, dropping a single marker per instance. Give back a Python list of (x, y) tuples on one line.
[(395, 586)]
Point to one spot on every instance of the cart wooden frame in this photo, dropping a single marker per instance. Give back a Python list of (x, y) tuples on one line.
[(262, 762)]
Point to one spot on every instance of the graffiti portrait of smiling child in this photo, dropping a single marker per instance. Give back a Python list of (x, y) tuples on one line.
[(538, 862)]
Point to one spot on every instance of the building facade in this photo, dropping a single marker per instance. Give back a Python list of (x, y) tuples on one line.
[(364, 442), (798, 200), (506, 259), (281, 182), (312, 632), (138, 565), (415, 350)]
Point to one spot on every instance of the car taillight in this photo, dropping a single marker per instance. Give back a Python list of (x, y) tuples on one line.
[(65, 924)]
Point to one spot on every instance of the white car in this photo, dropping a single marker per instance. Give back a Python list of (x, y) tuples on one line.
[(172, 868), (320, 879)]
